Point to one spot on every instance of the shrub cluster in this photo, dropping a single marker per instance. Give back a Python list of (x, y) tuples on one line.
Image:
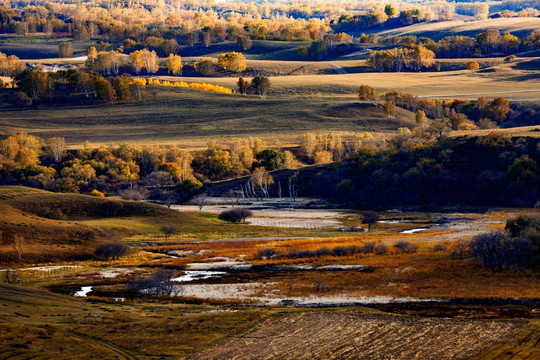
[(518, 246), (235, 216), (405, 247), (47, 212), (368, 248), (112, 250)]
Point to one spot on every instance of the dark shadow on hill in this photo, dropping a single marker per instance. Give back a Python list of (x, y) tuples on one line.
[(354, 110)]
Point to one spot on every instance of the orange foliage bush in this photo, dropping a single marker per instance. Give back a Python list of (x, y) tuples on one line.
[(182, 84)]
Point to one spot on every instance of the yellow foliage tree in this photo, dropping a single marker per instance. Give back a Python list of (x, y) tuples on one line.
[(233, 61), (174, 64)]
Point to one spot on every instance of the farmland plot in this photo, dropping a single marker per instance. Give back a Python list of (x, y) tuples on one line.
[(354, 335)]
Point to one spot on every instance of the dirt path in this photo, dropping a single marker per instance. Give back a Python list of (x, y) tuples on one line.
[(355, 335), (120, 352)]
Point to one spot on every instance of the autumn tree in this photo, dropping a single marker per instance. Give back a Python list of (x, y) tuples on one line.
[(137, 87), (206, 66), (241, 152), (412, 57), (260, 85), (135, 61), (439, 126), (308, 144), (144, 59), (206, 37), (122, 88), (91, 52), (33, 82), (261, 180), (390, 109), (366, 92), (104, 89), (232, 61), (473, 65), (322, 157), (243, 86), (85, 83), (65, 50), (244, 43), (107, 62), (56, 148), (421, 118), (215, 162), (498, 109), (174, 64), (10, 65), (169, 46), (370, 218), (302, 51)]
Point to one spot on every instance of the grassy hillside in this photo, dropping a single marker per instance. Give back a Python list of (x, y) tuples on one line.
[(45, 240), (194, 117), (39, 46), (40, 325), (83, 223), (439, 29), (296, 104)]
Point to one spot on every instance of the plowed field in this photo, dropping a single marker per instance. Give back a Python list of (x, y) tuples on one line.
[(354, 335)]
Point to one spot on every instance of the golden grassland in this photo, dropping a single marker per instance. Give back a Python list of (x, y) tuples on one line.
[(39, 324), (521, 26), (175, 115), (295, 104)]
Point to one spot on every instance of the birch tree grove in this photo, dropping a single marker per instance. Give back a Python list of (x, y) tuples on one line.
[(174, 64), (56, 148), (144, 59), (261, 180)]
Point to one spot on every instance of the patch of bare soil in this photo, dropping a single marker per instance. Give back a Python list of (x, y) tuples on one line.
[(355, 335)]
